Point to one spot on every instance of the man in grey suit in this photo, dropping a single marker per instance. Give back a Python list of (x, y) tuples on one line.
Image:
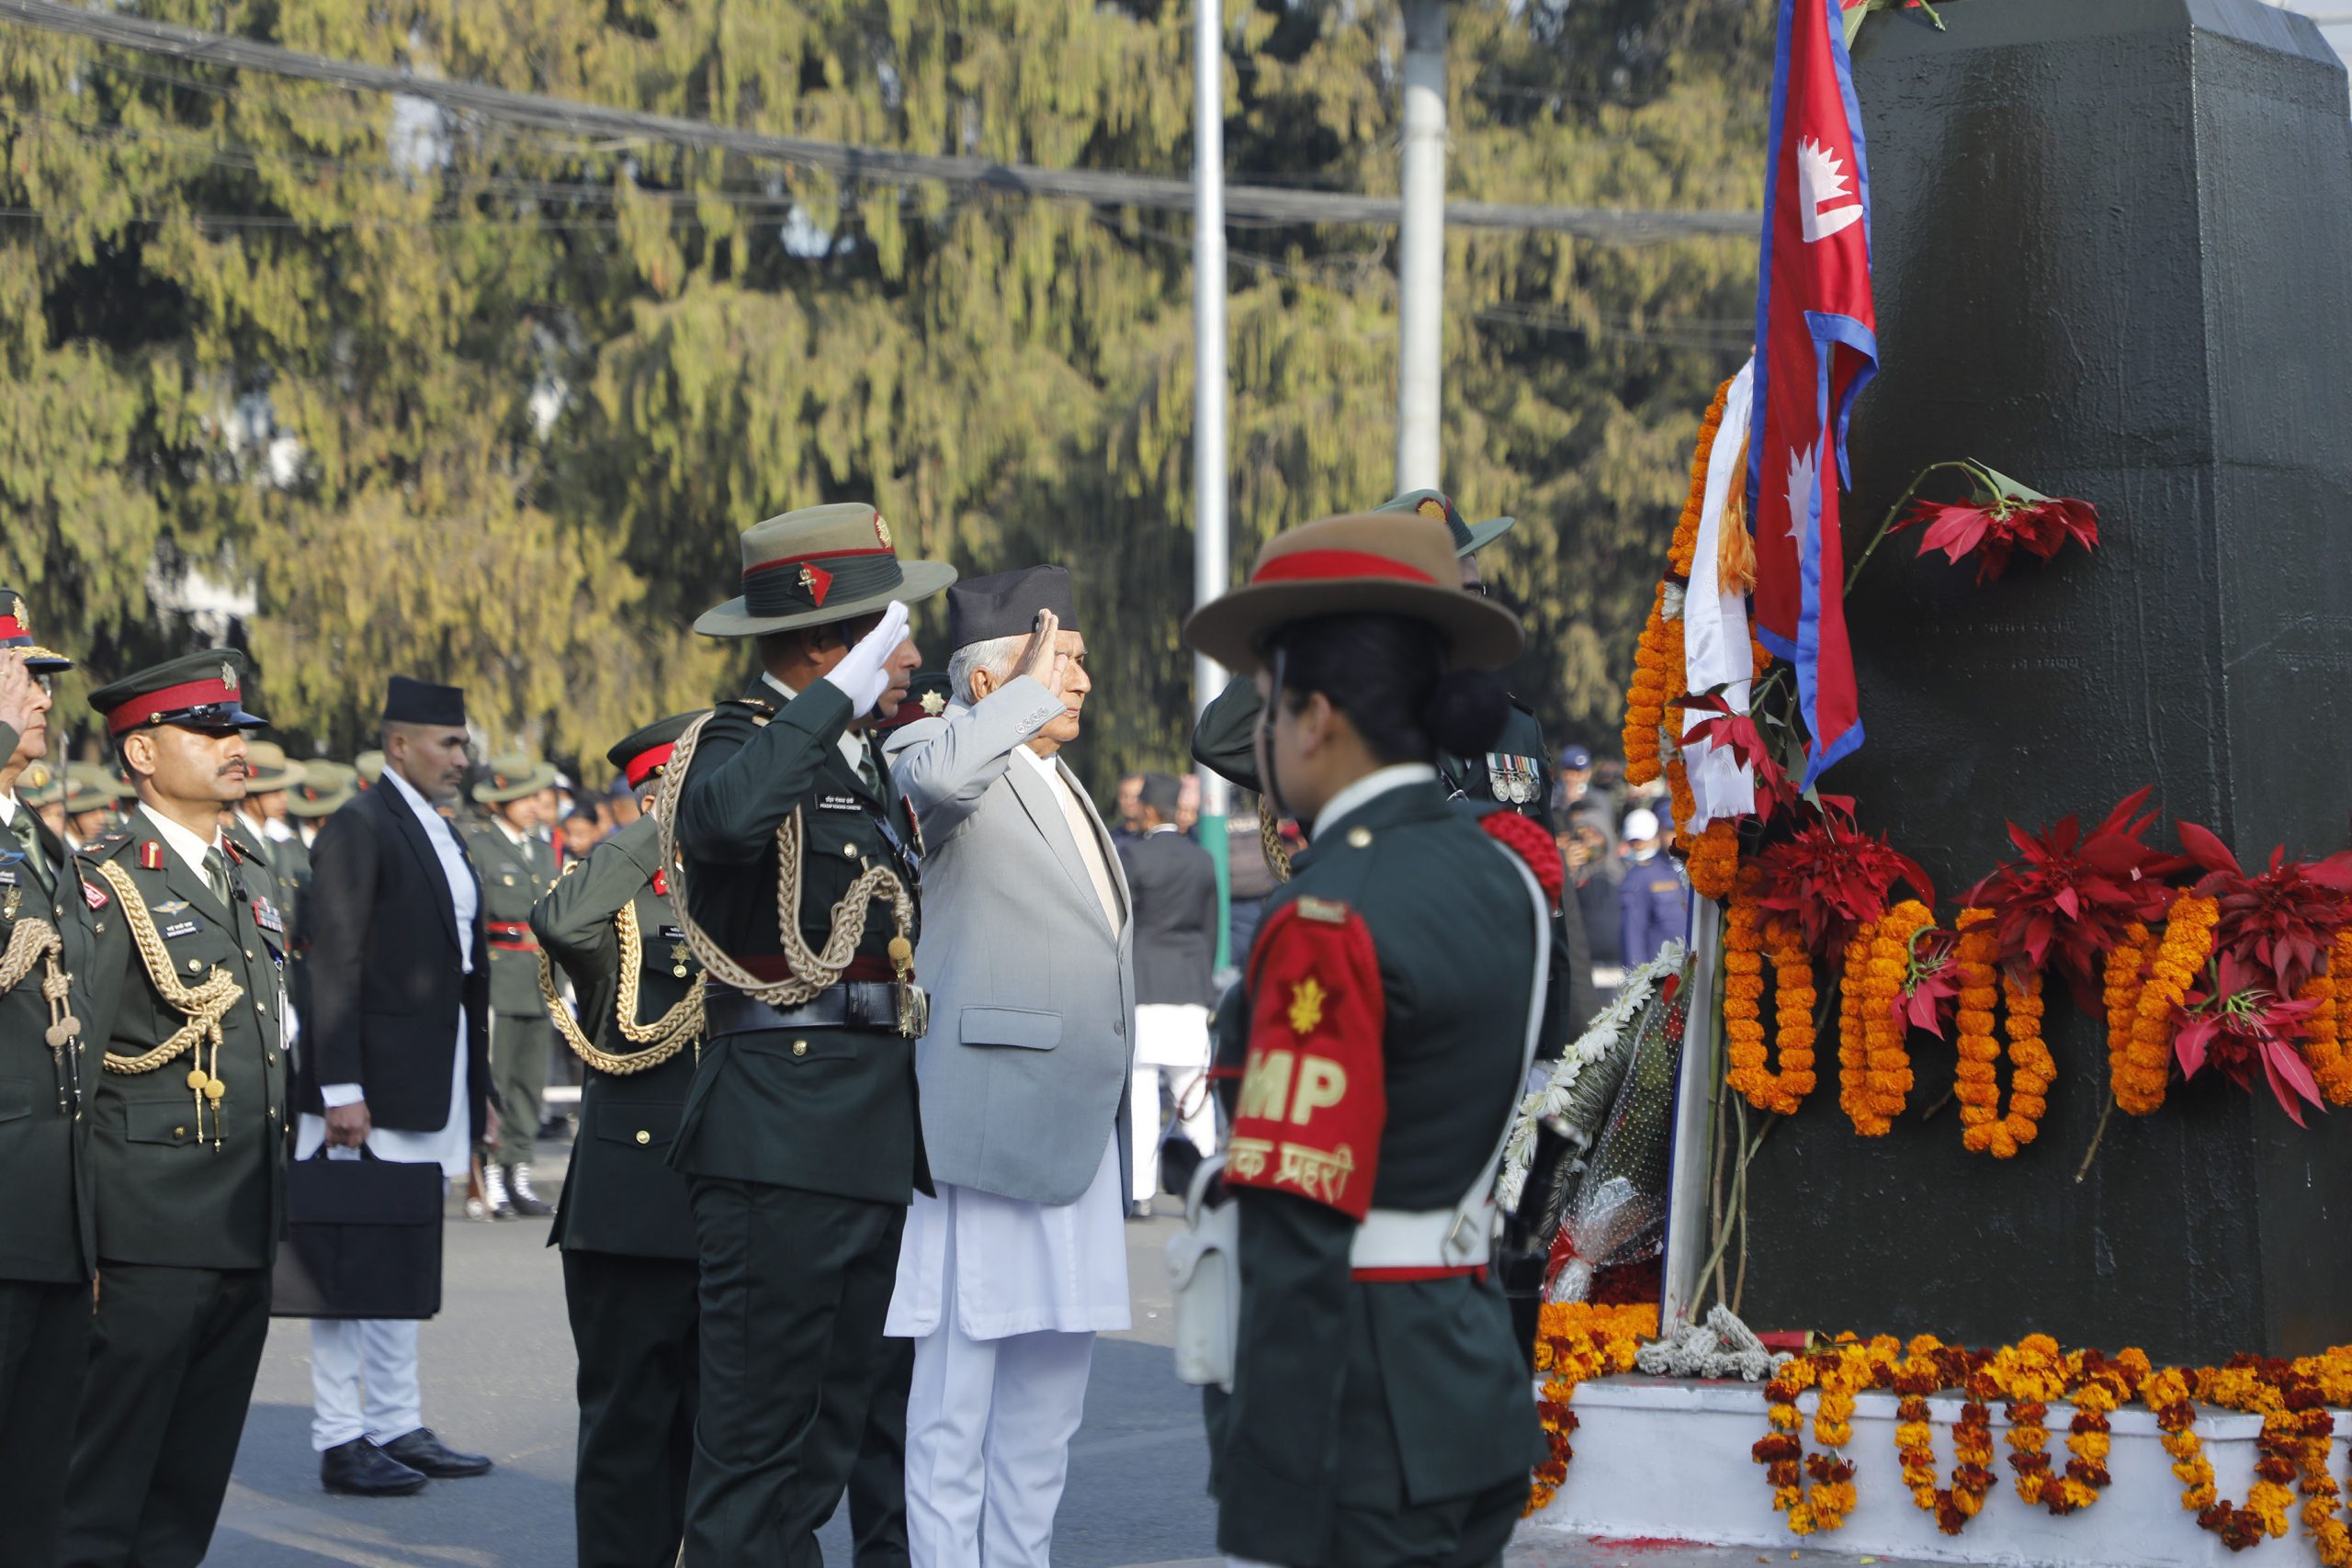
[(1006, 1277)]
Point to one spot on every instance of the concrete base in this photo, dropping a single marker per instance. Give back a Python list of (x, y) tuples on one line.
[(1659, 1457)]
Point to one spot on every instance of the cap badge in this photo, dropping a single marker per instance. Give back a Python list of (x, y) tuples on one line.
[(933, 704), (16, 611), (816, 581), (882, 533), (229, 676), (1432, 507)]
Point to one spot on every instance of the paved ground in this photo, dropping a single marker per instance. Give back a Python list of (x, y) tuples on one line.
[(498, 1368)]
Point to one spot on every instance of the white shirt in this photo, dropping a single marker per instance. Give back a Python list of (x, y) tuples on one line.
[(189, 846), (1082, 832), (1369, 788), (447, 1146), (275, 830), (8, 807)]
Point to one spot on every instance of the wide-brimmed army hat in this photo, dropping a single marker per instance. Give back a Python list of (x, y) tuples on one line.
[(642, 756), (1468, 538), (268, 769), (820, 565), (41, 784), (513, 776), (196, 691), (325, 788), (17, 633), (1384, 563), (368, 768), (88, 787)]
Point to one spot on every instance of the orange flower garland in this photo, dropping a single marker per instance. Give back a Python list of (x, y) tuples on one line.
[(2322, 1045), (1853, 1049), (2030, 1373), (1747, 935), (1713, 862), (2188, 942), (1658, 684), (1886, 1064), (2127, 963), (1577, 1341), (1822, 1504), (2166, 1393), (2031, 1069)]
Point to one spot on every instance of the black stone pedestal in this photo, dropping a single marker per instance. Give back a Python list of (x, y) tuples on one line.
[(2113, 253)]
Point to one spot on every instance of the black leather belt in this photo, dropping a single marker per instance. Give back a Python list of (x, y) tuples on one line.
[(854, 1004)]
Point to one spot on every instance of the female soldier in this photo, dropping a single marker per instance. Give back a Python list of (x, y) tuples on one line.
[(1381, 1410)]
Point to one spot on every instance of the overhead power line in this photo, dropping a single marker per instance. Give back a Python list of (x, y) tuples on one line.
[(854, 162)]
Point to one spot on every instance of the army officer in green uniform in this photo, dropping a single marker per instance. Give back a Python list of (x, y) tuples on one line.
[(1380, 1411), (188, 1125), (623, 1222), (47, 1245), (516, 867)]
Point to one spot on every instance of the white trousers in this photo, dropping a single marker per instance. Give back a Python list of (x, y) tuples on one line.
[(989, 1426), (363, 1381), (1196, 1117)]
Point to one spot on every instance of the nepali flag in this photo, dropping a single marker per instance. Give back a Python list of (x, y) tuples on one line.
[(1816, 335)]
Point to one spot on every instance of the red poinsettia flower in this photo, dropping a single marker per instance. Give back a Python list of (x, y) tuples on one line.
[(2000, 518), (1835, 879), (2280, 921), (2235, 1023), (1736, 732), (1931, 989), (2068, 901)]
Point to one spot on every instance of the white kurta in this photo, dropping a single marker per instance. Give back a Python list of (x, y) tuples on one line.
[(1020, 1267)]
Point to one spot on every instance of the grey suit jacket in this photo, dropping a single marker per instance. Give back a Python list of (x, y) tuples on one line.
[(1025, 1069)]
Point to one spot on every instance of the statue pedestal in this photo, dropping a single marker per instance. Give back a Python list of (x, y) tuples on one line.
[(2113, 253)]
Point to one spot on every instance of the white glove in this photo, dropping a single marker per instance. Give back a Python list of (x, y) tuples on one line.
[(863, 674)]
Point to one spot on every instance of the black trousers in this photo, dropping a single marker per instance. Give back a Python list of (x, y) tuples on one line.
[(634, 1326), (877, 1480), (795, 1287), (173, 1356), (44, 1353)]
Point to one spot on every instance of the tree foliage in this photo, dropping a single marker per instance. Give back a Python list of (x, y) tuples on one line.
[(491, 406)]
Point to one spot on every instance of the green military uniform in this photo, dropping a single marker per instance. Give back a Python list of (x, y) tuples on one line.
[(48, 1246), (189, 1179), (516, 869), (802, 1135), (625, 1221), (1380, 1410)]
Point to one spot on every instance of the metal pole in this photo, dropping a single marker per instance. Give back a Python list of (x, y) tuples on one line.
[(1210, 555), (1421, 249)]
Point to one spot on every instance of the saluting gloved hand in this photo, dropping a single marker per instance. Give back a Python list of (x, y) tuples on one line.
[(864, 672)]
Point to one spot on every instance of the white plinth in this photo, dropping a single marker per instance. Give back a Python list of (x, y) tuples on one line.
[(1665, 1458)]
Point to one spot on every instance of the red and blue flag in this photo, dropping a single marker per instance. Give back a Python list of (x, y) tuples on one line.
[(1816, 333)]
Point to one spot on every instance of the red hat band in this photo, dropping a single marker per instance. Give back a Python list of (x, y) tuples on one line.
[(647, 763), (152, 705), (1337, 565)]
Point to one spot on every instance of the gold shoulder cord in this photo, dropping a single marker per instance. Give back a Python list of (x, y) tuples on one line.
[(204, 1005), (37, 942), (1270, 839), (811, 971), (661, 1039)]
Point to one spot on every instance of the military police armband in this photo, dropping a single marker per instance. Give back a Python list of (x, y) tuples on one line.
[(1314, 1092)]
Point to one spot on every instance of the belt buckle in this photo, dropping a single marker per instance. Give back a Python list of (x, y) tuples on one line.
[(914, 1010)]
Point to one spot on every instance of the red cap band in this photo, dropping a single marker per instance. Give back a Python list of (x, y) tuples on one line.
[(12, 627), (171, 699), (1323, 566), (642, 766)]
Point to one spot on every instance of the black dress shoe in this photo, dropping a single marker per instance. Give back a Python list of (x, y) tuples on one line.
[(360, 1468), (423, 1452)]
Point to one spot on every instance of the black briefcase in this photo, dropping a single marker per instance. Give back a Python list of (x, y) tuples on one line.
[(363, 1239)]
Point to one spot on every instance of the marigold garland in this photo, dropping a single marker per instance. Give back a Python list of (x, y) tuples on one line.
[(1747, 934), (2125, 965), (1577, 1341), (2030, 1373), (1853, 1050), (1816, 1490), (1929, 1366), (1658, 684), (1886, 1064), (2330, 1063), (1984, 1129), (2188, 942), (1713, 862)]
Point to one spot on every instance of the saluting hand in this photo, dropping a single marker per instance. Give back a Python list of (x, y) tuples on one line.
[(864, 673), (1041, 661)]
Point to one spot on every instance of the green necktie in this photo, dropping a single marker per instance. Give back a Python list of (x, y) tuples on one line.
[(216, 874), (29, 836)]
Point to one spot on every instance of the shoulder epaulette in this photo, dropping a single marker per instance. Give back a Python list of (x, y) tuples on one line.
[(1323, 911), (759, 706), (106, 846)]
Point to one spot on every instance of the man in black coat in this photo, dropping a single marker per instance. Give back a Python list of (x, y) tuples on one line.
[(1173, 884), (396, 1058)]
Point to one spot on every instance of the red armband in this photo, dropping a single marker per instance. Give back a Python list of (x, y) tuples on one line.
[(1528, 841), (1315, 1093)]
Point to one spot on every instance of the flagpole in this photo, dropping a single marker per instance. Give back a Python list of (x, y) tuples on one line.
[(1211, 553), (1421, 249)]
